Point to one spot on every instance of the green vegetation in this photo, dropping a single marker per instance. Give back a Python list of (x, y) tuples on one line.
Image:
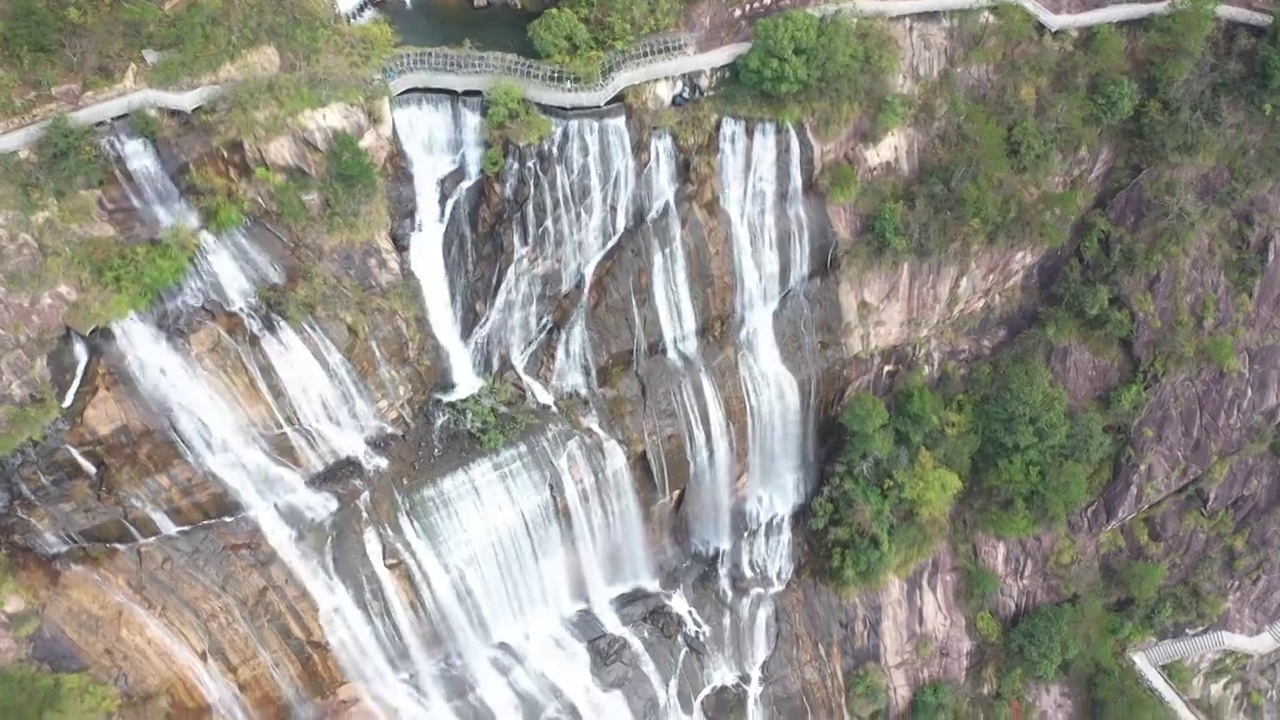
[(134, 275), (493, 417), (578, 33), (1034, 459), (934, 701), (18, 424), (886, 505), (828, 70), (223, 206), (28, 693), (841, 183), (509, 119), (45, 44), (352, 178), (867, 694), (66, 160)]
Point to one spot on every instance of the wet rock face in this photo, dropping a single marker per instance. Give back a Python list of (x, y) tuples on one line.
[(213, 599)]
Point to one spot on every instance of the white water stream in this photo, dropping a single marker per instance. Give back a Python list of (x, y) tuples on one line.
[(440, 136), (471, 594)]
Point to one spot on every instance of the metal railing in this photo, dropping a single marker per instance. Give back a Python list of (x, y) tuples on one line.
[(522, 70)]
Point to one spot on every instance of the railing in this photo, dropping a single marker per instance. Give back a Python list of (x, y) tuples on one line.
[(523, 70)]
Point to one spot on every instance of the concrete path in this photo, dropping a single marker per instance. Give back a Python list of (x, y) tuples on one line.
[(181, 101), (547, 94), (568, 97)]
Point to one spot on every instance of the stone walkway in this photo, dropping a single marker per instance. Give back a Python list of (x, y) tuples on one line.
[(568, 96), (1162, 653)]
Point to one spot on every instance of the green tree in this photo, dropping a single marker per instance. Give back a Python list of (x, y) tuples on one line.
[(929, 490), (1142, 580), (887, 228), (559, 35), (933, 701), (783, 57), (1045, 641), (866, 418), (1115, 98)]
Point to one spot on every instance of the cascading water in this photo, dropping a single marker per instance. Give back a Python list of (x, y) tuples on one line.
[(581, 184), (468, 597), (441, 137), (80, 351), (777, 465), (706, 431)]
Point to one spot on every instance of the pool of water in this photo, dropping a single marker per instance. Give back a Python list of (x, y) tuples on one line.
[(434, 23)]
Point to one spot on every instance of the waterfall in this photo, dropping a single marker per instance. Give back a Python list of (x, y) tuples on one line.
[(492, 558), (328, 412), (441, 137), (705, 428), (228, 268), (580, 184), (764, 240), (81, 353)]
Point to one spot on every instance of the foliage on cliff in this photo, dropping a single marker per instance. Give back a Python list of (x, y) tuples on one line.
[(27, 693), (46, 44), (509, 119), (1007, 439), (578, 33), (829, 71), (1165, 129), (494, 416)]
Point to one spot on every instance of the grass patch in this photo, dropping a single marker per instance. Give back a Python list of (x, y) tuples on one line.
[(133, 276), (21, 424), (509, 119), (29, 693), (493, 417), (65, 160)]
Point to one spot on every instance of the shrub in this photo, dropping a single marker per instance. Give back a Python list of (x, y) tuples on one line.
[(27, 693), (144, 124), (1114, 99), (68, 159), (887, 228), (493, 160), (1221, 351), (509, 117), (18, 424), (988, 627), (352, 178), (492, 417), (135, 275), (783, 59), (893, 111), (1045, 641), (1142, 579), (867, 693), (933, 701), (841, 182), (559, 35)]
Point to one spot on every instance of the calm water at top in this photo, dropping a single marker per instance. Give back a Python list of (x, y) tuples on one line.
[(433, 23)]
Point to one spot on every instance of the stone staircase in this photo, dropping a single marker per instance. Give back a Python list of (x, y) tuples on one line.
[(1148, 661), (1166, 652)]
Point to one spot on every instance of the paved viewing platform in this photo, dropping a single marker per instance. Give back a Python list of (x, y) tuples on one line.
[(459, 70)]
